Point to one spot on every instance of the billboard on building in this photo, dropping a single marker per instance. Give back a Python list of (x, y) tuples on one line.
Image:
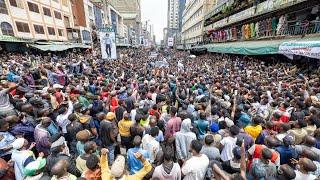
[(108, 43), (170, 41)]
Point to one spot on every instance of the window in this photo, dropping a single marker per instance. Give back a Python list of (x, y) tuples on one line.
[(16, 3), (3, 7), (22, 27), (60, 32), (66, 22), (6, 29), (51, 31), (57, 15), (86, 35), (46, 11), (90, 10), (33, 7), (13, 3), (38, 29)]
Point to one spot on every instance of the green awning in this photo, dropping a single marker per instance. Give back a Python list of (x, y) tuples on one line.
[(5, 38), (259, 47), (57, 47)]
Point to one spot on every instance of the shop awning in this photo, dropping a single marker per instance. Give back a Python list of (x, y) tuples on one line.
[(58, 47), (5, 38), (259, 47), (245, 47)]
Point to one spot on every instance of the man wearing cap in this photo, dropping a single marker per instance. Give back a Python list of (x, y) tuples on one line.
[(19, 155), (108, 134), (214, 128), (35, 169), (59, 151), (58, 94)]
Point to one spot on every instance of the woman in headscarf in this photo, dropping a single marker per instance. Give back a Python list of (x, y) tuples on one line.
[(183, 139)]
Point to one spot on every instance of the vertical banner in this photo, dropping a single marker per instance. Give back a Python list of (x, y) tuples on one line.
[(170, 41), (141, 41), (146, 42), (108, 43)]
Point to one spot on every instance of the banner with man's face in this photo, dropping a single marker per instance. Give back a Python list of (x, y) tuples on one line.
[(108, 43)]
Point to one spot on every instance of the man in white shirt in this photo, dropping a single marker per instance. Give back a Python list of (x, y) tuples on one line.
[(150, 144), (108, 43), (62, 119), (195, 168), (228, 143)]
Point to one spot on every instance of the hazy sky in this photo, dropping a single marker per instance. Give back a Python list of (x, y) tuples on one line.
[(156, 12)]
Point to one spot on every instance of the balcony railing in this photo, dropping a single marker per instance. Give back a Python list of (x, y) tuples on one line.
[(291, 28)]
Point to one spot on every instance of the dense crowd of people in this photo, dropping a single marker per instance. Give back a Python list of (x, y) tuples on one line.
[(75, 116)]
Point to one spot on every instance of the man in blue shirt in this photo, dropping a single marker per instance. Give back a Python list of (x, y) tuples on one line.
[(202, 125), (135, 164), (286, 151)]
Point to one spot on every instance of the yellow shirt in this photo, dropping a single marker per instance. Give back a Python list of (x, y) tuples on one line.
[(124, 127), (253, 131), (106, 173)]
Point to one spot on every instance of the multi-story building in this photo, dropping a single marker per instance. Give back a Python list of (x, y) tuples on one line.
[(173, 14), (192, 21), (174, 18), (35, 19), (131, 13)]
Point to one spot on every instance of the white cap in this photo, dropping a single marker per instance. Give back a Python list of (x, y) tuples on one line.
[(18, 143), (56, 86)]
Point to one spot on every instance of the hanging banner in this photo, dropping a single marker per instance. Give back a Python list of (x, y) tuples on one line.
[(108, 43), (302, 48), (141, 40)]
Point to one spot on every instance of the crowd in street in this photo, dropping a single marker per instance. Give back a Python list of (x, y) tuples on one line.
[(74, 116)]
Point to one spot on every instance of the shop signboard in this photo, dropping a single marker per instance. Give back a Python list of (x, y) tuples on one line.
[(302, 48), (170, 41)]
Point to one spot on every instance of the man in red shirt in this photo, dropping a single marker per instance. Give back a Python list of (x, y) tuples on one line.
[(256, 151), (57, 94), (173, 124)]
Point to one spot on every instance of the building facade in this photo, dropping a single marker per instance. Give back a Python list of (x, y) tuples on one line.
[(36, 19), (130, 11), (192, 21), (235, 20)]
